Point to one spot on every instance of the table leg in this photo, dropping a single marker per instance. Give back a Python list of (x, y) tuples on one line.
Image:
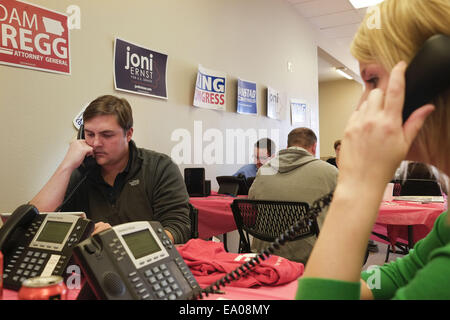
[(225, 246), (410, 237)]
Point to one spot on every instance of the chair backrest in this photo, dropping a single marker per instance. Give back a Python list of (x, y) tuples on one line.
[(267, 220), (420, 187), (193, 214)]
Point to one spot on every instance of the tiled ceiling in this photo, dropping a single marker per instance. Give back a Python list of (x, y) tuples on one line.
[(337, 20)]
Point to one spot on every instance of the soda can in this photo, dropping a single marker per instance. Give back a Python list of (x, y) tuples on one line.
[(43, 288), (1, 275)]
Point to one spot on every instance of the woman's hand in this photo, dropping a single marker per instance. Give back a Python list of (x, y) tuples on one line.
[(375, 141)]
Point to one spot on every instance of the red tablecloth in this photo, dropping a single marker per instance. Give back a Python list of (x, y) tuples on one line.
[(214, 214), (265, 292), (283, 292), (394, 217), (215, 217)]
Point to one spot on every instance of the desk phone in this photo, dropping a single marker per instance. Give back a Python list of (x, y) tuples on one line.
[(39, 244), (135, 260)]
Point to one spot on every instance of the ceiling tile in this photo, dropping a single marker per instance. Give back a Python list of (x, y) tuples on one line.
[(317, 8), (298, 1), (336, 19), (341, 31)]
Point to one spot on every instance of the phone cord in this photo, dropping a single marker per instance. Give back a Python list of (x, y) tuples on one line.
[(72, 192), (289, 234)]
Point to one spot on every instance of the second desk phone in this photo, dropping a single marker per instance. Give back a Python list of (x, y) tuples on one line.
[(135, 260)]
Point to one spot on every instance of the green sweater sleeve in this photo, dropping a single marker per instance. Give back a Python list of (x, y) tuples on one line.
[(327, 289), (422, 274)]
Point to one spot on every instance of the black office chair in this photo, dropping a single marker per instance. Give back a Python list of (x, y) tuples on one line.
[(193, 214), (267, 220), (417, 187)]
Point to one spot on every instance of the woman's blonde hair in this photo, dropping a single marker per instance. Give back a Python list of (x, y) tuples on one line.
[(403, 28)]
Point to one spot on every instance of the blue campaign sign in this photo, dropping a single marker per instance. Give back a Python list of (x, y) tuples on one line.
[(246, 97), (139, 70)]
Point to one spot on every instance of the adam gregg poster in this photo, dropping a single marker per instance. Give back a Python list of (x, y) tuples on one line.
[(33, 37), (139, 70)]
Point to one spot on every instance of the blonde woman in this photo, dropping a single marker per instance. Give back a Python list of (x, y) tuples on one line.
[(375, 142)]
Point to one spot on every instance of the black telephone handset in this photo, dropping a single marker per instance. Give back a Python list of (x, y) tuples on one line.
[(85, 168), (134, 260), (14, 228), (88, 162), (36, 244), (428, 74)]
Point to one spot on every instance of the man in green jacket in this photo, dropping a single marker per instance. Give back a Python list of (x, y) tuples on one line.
[(126, 183)]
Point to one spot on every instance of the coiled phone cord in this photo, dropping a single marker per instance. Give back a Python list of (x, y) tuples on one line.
[(289, 234)]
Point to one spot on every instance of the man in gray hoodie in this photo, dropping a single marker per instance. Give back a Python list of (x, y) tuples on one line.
[(295, 175)]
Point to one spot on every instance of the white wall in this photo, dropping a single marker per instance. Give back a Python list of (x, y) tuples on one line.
[(252, 39)]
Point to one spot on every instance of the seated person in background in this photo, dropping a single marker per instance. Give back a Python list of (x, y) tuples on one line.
[(337, 148), (414, 170), (264, 149), (411, 170), (294, 174), (375, 142), (127, 183)]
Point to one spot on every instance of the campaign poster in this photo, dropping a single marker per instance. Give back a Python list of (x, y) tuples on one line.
[(210, 89), (246, 97), (139, 70), (78, 120), (273, 104), (34, 37), (300, 114)]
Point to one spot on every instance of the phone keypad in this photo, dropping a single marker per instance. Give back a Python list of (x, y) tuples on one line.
[(30, 266), (163, 283)]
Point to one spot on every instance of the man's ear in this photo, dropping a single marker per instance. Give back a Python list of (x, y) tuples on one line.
[(313, 149), (129, 134)]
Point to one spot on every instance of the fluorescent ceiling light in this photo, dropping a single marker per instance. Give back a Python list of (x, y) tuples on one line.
[(342, 72), (357, 4)]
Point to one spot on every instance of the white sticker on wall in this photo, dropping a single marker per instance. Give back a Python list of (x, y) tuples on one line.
[(78, 121)]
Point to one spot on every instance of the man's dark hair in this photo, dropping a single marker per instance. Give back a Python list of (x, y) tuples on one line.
[(337, 143), (301, 137), (266, 143), (110, 105)]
